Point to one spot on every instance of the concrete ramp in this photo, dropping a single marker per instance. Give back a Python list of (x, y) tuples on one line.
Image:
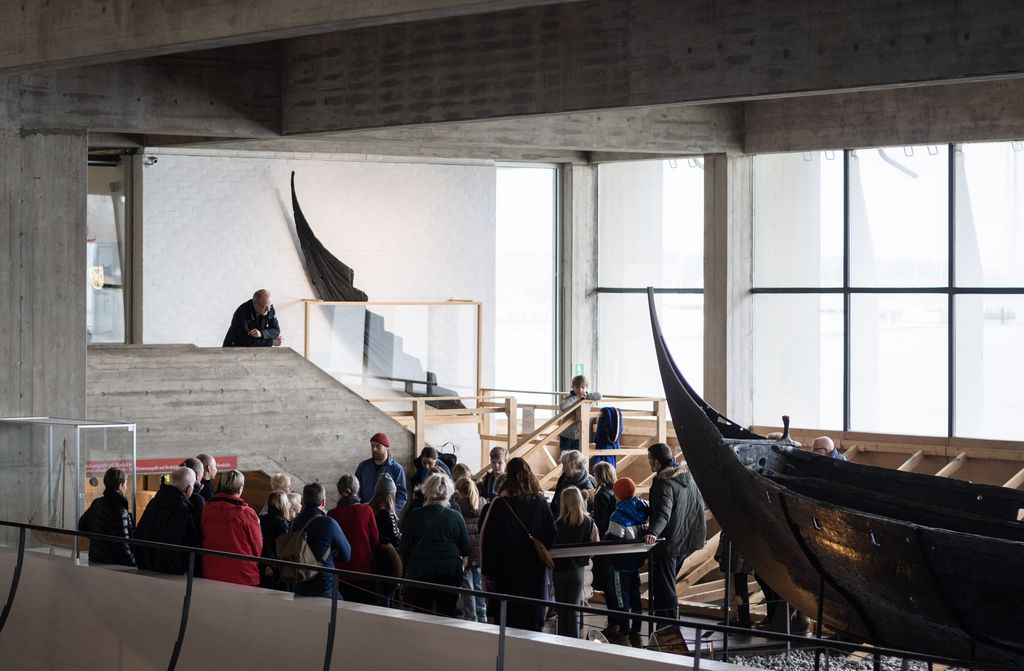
[(270, 407), (72, 616)]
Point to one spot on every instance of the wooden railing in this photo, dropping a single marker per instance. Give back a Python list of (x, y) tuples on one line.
[(502, 418), (642, 427)]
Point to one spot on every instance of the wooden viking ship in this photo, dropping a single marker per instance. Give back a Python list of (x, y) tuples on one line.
[(904, 560)]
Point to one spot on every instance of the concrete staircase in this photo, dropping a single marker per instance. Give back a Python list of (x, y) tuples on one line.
[(270, 407)]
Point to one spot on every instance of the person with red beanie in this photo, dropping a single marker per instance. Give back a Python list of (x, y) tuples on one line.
[(380, 462)]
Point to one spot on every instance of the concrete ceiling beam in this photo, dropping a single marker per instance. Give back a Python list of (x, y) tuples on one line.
[(696, 129), (65, 33), (233, 92), (377, 150), (614, 54), (978, 111)]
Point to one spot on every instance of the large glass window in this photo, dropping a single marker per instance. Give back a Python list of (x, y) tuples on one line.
[(650, 233), (106, 246), (917, 331), (525, 287)]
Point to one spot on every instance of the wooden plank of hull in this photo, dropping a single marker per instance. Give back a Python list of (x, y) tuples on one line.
[(882, 566), (981, 581), (955, 504)]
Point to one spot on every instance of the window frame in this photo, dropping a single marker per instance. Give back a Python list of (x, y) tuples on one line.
[(950, 289)]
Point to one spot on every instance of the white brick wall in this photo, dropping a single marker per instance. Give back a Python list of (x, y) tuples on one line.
[(217, 226)]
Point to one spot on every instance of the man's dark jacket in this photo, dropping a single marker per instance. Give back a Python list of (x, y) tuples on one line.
[(206, 490), (168, 519), (108, 515), (246, 319), (677, 513)]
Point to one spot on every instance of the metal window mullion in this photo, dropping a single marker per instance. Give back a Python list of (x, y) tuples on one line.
[(847, 342), (951, 298), (643, 290), (558, 225)]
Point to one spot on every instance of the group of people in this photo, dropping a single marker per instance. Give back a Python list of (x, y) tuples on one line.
[(443, 529)]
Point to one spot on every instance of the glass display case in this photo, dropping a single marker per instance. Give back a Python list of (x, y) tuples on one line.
[(52, 468)]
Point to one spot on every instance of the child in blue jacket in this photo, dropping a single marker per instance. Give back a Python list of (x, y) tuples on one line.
[(628, 522)]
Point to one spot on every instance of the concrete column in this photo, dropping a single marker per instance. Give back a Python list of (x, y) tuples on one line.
[(728, 303), (578, 268), (42, 272)]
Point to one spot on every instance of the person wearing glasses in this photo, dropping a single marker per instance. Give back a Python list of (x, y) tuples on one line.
[(254, 324)]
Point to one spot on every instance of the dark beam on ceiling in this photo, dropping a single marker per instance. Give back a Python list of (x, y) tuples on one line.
[(66, 33), (608, 54)]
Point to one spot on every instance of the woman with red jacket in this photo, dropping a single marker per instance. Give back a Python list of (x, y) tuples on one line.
[(231, 525), (359, 524)]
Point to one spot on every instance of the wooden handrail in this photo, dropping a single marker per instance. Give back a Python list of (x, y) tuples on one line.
[(315, 301), (428, 399)]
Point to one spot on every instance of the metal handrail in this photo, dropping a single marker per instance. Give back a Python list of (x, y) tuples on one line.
[(698, 625)]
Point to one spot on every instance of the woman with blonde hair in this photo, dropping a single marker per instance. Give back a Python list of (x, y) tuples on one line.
[(473, 607), (273, 523), (573, 526), (295, 501), (509, 557)]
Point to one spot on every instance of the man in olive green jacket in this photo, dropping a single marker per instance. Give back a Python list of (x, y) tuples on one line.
[(677, 516)]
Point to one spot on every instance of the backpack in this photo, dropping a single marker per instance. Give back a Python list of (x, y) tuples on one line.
[(448, 458), (294, 547)]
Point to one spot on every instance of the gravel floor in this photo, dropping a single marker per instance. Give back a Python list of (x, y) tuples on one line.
[(803, 660)]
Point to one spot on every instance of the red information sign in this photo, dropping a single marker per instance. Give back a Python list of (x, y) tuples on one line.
[(152, 466)]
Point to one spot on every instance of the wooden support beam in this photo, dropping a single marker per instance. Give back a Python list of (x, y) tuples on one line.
[(706, 567), (661, 416), (420, 424), (851, 453), (953, 466), (62, 33), (512, 412), (608, 54), (911, 463), (1016, 481)]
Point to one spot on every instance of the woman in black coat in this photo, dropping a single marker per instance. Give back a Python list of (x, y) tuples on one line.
[(274, 523), (509, 557), (108, 515)]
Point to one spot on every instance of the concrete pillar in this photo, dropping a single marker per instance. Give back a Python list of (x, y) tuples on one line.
[(578, 267), (42, 273), (728, 303)]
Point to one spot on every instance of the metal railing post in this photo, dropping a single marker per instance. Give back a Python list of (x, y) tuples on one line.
[(329, 653), (15, 579), (502, 617), (817, 625), (185, 607), (650, 590), (698, 634), (789, 630), (727, 606)]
